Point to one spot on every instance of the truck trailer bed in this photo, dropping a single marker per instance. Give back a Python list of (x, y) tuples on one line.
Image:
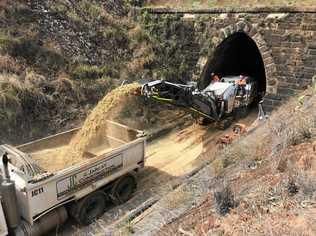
[(53, 153)]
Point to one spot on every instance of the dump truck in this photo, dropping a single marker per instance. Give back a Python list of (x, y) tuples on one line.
[(35, 201)]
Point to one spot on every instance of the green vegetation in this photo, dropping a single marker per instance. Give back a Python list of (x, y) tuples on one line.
[(227, 3), (172, 58)]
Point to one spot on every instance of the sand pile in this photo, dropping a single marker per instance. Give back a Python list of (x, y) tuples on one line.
[(50, 159), (95, 124)]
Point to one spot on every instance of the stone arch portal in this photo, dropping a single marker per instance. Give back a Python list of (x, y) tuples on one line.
[(242, 51)]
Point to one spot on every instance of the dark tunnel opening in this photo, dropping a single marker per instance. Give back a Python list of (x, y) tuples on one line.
[(236, 55)]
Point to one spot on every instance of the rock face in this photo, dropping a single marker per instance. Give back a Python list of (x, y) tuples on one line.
[(285, 38)]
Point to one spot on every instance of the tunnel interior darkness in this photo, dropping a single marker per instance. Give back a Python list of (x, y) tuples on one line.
[(238, 54)]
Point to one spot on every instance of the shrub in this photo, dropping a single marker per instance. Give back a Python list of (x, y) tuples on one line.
[(10, 105), (115, 36), (224, 200), (307, 183), (292, 188), (34, 55), (136, 3), (6, 42), (93, 10), (82, 72), (17, 96), (24, 48)]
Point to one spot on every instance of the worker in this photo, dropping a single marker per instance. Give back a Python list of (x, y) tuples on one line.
[(241, 82), (214, 78)]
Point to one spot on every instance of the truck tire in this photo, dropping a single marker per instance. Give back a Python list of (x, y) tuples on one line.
[(88, 209), (204, 121), (225, 123), (123, 189), (200, 120)]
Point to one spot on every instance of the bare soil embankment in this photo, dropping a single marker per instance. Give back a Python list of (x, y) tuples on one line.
[(263, 184)]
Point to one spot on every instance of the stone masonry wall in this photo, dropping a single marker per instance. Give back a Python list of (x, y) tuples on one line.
[(286, 38)]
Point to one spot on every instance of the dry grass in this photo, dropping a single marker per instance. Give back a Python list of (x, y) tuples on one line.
[(145, 55), (227, 3), (32, 95), (17, 94), (270, 201), (63, 85), (10, 65), (92, 56)]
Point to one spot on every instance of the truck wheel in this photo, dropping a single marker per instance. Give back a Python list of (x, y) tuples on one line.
[(224, 124), (89, 208), (123, 189), (203, 121)]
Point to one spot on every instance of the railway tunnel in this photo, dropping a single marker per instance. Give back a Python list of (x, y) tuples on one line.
[(237, 55)]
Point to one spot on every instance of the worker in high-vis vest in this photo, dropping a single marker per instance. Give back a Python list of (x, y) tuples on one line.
[(214, 78)]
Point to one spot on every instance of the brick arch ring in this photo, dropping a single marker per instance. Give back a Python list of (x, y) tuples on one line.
[(252, 32)]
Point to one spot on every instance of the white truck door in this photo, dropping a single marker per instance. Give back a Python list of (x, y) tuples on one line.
[(3, 224)]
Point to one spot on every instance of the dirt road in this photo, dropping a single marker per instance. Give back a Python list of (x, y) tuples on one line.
[(170, 159)]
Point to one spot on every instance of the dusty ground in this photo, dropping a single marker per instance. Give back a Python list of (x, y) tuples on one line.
[(270, 187), (171, 158), (266, 204)]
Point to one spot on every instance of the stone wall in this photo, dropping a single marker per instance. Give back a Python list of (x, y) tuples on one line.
[(286, 38)]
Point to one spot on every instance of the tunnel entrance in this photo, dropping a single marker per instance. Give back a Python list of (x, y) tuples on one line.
[(236, 55)]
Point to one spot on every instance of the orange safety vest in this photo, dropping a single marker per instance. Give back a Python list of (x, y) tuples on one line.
[(241, 82)]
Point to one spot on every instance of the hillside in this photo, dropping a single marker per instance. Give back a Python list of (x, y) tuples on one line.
[(227, 3), (263, 184), (58, 58)]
